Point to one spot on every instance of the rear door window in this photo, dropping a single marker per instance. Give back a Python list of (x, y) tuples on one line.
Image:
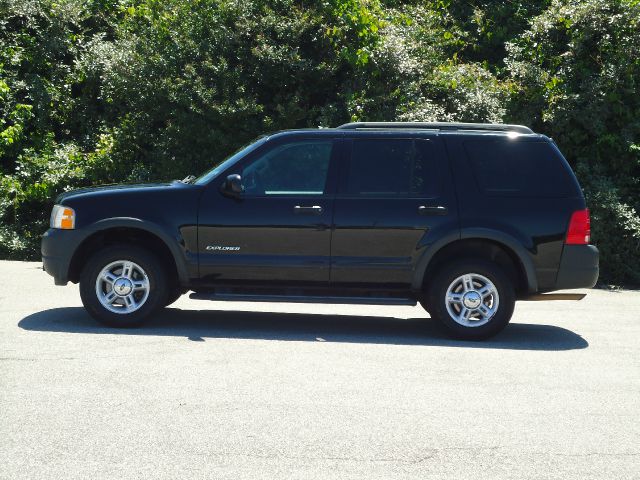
[(392, 167), (518, 168)]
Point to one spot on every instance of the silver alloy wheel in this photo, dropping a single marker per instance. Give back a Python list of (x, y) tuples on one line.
[(122, 287), (472, 300)]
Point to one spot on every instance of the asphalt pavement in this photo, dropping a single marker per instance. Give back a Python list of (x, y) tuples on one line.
[(277, 391)]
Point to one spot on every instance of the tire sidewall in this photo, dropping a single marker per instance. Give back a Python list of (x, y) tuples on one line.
[(436, 298), (147, 261)]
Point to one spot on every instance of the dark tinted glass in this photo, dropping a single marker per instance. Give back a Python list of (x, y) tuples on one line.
[(298, 168), (392, 167), (512, 167)]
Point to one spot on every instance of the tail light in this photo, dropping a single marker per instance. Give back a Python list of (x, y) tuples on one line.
[(579, 232)]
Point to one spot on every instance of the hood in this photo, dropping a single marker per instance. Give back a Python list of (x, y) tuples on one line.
[(115, 189)]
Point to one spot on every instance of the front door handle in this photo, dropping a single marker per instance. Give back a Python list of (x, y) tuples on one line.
[(315, 209), (432, 210)]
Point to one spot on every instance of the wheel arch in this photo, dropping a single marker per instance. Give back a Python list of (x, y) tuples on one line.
[(494, 246), (130, 231)]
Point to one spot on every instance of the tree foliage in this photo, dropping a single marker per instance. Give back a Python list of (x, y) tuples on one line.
[(97, 91)]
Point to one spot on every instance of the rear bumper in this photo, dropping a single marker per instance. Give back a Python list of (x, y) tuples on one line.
[(578, 267), (57, 249)]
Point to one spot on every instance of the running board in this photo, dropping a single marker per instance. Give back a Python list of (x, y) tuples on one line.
[(239, 297), (554, 296)]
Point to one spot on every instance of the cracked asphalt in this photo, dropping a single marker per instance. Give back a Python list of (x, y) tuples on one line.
[(273, 391)]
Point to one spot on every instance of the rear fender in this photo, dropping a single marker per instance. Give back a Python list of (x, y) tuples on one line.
[(481, 234)]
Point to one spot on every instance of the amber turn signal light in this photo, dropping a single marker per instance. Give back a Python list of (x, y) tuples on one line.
[(63, 217)]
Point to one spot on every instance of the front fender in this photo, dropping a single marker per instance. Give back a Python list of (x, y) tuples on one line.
[(173, 240)]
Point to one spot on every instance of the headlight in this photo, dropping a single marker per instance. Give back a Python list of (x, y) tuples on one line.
[(63, 217)]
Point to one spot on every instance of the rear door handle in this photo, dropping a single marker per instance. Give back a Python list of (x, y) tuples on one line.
[(315, 209), (432, 210)]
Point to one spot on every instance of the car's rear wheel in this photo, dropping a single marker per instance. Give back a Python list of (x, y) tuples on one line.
[(122, 285), (471, 299)]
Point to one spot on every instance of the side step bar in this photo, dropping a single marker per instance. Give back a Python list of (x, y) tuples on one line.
[(240, 297)]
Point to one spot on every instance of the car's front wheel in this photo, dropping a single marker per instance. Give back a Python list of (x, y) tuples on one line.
[(122, 285), (174, 294), (472, 299)]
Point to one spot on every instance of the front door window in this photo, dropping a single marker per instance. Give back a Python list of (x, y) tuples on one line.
[(298, 168)]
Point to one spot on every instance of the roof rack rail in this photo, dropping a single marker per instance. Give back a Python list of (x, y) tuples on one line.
[(495, 127)]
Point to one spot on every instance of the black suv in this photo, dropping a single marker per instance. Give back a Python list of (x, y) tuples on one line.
[(463, 218)]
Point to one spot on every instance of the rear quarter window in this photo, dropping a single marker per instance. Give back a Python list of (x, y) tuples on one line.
[(519, 168)]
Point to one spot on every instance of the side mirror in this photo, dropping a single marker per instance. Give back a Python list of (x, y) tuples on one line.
[(232, 186)]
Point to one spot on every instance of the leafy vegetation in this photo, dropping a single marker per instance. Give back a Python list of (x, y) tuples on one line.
[(98, 91)]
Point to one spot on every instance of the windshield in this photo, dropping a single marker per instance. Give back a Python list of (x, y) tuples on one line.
[(229, 161)]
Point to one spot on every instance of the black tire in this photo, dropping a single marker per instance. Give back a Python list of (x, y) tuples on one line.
[(436, 298), (174, 294), (154, 270)]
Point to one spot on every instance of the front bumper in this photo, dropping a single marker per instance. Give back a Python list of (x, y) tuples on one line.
[(57, 248), (578, 267)]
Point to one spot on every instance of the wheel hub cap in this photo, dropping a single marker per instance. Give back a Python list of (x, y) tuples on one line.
[(472, 299), (122, 286)]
